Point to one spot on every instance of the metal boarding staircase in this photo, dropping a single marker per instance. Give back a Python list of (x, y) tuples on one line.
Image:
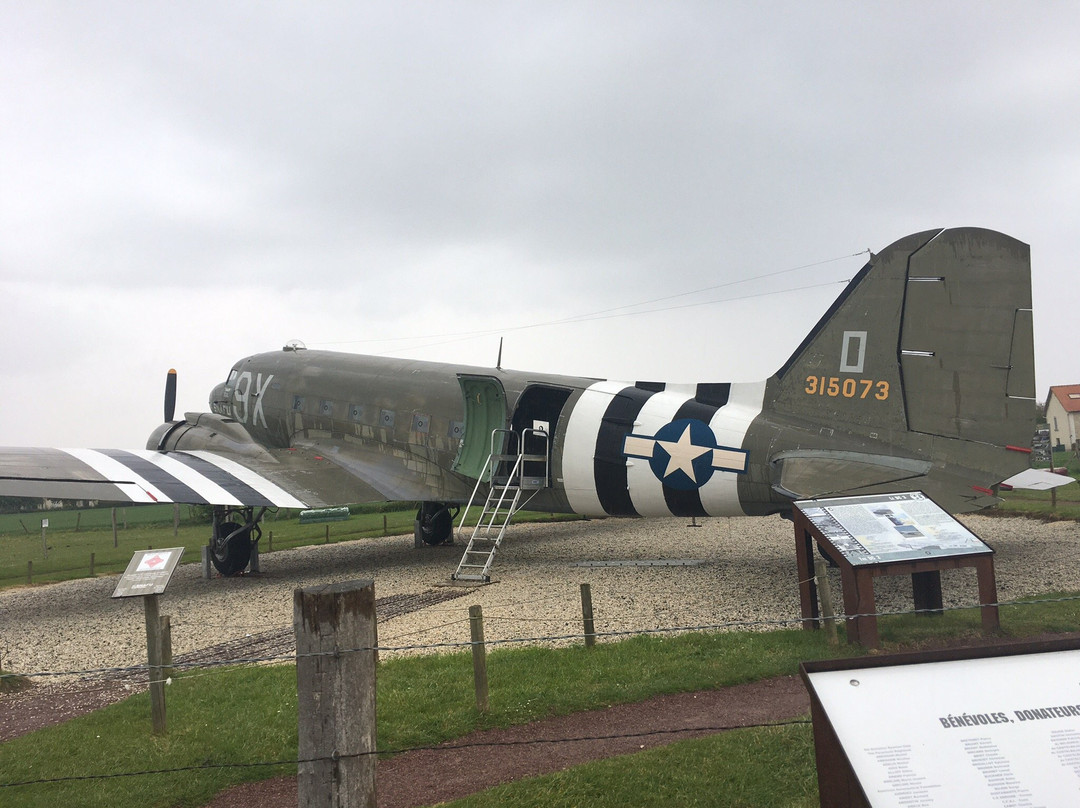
[(513, 485)]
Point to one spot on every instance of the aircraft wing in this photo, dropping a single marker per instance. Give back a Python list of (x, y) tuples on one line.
[(214, 468), (110, 475)]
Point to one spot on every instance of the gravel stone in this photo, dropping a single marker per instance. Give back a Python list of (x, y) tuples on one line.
[(747, 574)]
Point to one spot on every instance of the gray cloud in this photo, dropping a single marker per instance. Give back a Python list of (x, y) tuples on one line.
[(353, 172)]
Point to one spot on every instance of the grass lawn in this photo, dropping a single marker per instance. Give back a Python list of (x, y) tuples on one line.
[(736, 769), (247, 716), (70, 549)]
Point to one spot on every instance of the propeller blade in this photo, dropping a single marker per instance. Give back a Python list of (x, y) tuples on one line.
[(170, 394)]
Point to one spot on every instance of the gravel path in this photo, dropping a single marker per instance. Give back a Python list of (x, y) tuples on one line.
[(744, 570)]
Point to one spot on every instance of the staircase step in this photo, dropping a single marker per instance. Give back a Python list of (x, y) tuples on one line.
[(504, 499)]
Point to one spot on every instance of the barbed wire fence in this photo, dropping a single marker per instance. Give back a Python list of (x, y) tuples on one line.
[(193, 666), (462, 645), (442, 747)]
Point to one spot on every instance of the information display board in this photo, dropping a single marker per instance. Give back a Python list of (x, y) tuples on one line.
[(1002, 730), (887, 534), (148, 572), (890, 527)]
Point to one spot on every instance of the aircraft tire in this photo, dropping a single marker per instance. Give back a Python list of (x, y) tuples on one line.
[(231, 558), (434, 523)]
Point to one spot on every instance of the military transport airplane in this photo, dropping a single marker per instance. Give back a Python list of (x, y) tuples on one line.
[(919, 377)]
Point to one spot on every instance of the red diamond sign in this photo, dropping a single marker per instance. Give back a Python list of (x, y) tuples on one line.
[(148, 572)]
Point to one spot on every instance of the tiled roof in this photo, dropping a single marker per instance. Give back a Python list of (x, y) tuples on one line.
[(1068, 395)]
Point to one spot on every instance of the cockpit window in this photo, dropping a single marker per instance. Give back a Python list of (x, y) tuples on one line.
[(231, 381)]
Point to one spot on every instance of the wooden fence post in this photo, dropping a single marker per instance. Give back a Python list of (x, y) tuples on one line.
[(153, 656), (587, 615), (828, 613), (336, 638), (166, 647), (91, 565), (479, 657), (115, 540)]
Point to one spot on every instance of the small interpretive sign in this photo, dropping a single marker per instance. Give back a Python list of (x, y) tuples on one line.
[(148, 572)]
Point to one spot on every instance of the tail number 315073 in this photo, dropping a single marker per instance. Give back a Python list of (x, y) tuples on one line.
[(848, 387)]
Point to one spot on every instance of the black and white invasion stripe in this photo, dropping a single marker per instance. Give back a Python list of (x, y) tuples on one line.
[(198, 478), (600, 479)]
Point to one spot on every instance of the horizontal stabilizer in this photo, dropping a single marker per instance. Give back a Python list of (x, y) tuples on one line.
[(811, 474), (1037, 480)]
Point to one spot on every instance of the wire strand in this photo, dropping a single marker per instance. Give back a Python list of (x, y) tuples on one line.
[(442, 747), (603, 314), (464, 644)]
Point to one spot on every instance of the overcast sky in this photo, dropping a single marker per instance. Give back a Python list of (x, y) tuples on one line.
[(184, 184)]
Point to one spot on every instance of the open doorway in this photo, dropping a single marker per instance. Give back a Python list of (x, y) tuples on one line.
[(538, 409)]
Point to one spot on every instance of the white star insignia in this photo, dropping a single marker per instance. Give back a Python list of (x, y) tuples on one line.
[(682, 454)]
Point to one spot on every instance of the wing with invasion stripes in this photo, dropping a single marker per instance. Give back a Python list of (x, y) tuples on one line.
[(110, 475)]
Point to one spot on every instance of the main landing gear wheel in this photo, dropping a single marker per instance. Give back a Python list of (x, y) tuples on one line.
[(230, 547), (435, 523), (231, 553)]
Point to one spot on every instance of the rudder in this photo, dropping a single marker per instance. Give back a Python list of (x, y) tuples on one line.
[(967, 347), (934, 336)]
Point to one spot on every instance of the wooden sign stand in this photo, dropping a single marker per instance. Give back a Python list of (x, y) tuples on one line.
[(147, 575), (857, 582)]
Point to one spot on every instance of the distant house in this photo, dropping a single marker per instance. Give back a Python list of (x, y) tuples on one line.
[(1063, 416)]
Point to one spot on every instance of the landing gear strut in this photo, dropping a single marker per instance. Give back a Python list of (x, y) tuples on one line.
[(236, 531), (435, 523)]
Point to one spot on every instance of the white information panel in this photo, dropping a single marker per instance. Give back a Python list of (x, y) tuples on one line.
[(997, 731), (890, 527)]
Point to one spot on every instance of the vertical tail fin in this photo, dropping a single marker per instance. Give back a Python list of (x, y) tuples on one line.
[(923, 368)]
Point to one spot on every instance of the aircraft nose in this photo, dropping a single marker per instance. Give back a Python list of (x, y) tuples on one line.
[(219, 401)]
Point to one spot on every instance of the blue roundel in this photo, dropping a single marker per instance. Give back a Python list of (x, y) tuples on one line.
[(682, 457)]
